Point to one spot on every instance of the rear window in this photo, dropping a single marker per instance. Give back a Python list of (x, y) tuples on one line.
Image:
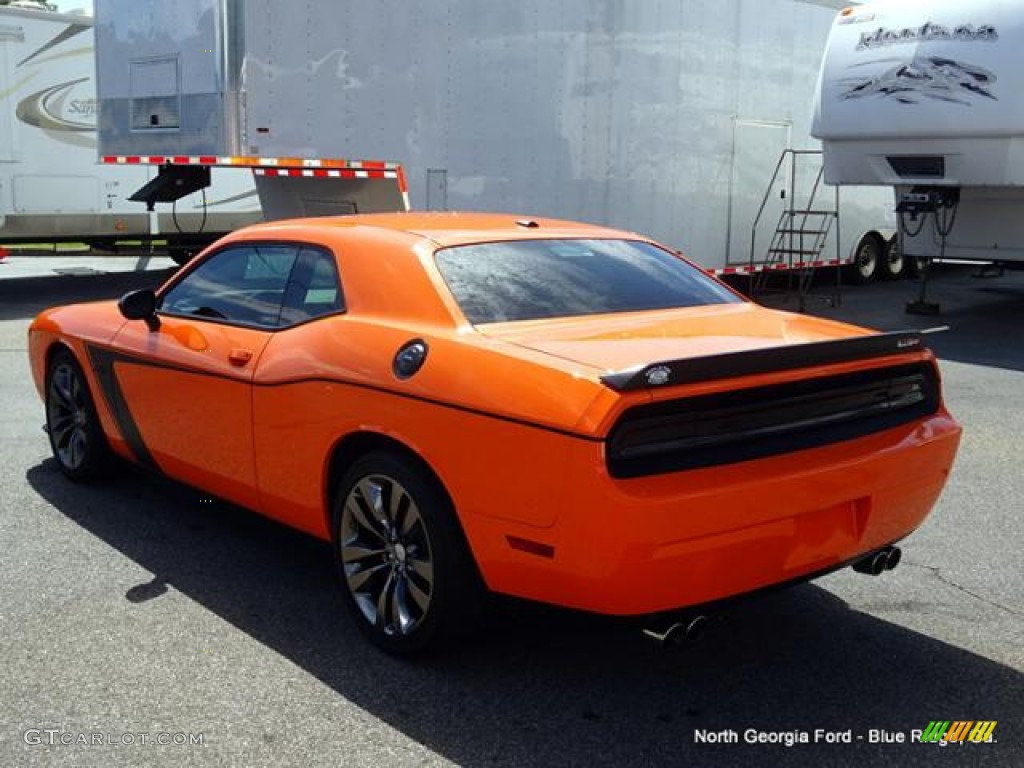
[(533, 279)]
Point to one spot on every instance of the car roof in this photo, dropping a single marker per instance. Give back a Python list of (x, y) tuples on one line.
[(384, 257), (445, 228)]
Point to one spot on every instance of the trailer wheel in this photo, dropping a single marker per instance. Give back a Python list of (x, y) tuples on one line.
[(893, 266), (866, 259)]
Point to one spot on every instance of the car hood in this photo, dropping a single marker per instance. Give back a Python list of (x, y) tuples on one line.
[(611, 343)]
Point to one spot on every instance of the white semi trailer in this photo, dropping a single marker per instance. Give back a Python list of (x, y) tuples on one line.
[(52, 188), (667, 118), (924, 96)]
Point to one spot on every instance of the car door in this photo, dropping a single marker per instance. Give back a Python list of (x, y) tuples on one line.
[(186, 386)]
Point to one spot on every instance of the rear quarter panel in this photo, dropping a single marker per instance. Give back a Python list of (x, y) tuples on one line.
[(473, 414)]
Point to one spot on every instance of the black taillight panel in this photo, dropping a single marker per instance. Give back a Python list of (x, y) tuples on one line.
[(746, 424)]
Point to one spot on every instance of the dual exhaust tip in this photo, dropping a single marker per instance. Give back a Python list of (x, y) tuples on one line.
[(883, 560), (681, 632), (688, 631)]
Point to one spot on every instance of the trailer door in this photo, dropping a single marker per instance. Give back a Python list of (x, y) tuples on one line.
[(757, 147)]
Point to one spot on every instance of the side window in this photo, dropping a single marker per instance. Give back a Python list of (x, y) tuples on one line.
[(242, 284), (313, 289)]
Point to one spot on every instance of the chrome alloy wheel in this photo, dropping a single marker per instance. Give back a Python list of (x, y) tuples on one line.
[(386, 555), (68, 416)]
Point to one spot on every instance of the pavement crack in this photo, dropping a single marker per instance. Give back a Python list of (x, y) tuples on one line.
[(937, 573)]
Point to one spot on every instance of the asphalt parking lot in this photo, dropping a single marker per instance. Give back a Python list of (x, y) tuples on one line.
[(138, 610)]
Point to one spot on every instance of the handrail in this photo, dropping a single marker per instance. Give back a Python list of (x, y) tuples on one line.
[(764, 204), (792, 154)]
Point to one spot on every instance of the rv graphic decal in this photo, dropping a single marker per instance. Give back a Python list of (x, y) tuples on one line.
[(967, 33), (68, 33), (923, 77), (65, 110)]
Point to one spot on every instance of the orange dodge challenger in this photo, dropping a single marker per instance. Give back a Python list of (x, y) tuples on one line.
[(551, 410)]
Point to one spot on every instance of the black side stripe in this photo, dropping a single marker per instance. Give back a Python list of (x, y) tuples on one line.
[(114, 395), (102, 361)]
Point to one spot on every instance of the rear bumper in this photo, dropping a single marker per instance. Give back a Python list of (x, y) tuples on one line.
[(654, 544)]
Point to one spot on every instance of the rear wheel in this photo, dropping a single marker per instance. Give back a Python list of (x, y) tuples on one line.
[(76, 437), (893, 266), (405, 569)]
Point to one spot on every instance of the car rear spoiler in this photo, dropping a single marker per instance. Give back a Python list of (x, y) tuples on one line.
[(766, 360)]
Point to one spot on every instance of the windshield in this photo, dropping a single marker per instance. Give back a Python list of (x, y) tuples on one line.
[(533, 279)]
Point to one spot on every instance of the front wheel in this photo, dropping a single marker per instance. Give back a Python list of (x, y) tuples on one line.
[(866, 260), (405, 569), (76, 437)]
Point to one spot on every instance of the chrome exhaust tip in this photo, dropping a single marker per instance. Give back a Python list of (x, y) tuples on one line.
[(877, 562), (873, 564), (695, 629), (893, 557)]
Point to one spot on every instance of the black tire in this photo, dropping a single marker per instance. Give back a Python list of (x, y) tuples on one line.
[(406, 572), (866, 260), (893, 265), (76, 436)]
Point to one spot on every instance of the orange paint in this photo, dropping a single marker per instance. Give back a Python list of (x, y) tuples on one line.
[(511, 417)]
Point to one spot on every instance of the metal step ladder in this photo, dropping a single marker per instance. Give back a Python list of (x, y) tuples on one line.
[(797, 246)]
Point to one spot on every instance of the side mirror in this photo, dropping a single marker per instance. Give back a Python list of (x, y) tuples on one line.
[(140, 305)]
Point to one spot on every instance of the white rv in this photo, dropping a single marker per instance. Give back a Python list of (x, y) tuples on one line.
[(667, 118), (51, 186), (925, 97)]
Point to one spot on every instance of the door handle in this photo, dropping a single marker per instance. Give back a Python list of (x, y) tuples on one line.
[(239, 357)]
